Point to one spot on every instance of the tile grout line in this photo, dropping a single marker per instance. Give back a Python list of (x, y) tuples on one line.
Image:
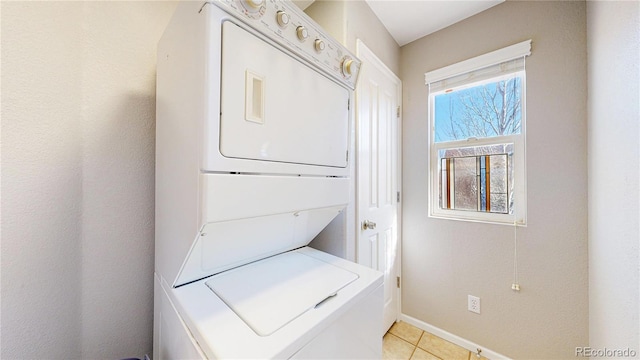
[(428, 351), (402, 339), (413, 352), (417, 342), (416, 345)]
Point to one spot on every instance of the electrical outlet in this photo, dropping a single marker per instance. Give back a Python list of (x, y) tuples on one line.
[(473, 304)]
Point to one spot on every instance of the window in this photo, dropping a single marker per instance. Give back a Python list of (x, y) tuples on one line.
[(477, 138)]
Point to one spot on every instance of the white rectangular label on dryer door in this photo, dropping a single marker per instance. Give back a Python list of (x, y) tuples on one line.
[(275, 108)]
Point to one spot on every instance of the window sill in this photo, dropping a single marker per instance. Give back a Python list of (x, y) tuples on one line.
[(496, 219)]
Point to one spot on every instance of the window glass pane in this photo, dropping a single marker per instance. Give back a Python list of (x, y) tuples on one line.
[(477, 178), (498, 184), (483, 110), (483, 177), (466, 187), (445, 179)]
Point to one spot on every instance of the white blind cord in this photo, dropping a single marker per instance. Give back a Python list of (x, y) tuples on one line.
[(516, 285)]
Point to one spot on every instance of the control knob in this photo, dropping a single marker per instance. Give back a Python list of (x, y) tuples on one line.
[(319, 45), (254, 9), (254, 3), (283, 19), (302, 33), (348, 67)]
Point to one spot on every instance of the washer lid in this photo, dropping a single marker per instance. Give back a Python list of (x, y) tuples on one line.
[(272, 292)]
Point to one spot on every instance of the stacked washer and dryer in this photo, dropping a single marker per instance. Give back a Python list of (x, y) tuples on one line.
[(252, 162)]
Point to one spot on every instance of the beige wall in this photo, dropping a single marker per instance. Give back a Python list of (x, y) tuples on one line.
[(331, 16), (41, 181), (443, 261), (362, 23), (613, 33), (78, 115)]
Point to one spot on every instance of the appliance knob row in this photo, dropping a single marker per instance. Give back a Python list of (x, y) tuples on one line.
[(284, 19)]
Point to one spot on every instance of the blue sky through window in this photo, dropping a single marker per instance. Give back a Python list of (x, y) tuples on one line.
[(486, 110)]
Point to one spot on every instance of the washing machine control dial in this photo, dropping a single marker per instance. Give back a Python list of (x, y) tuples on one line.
[(254, 9), (302, 33), (319, 45), (283, 19), (348, 67), (254, 3)]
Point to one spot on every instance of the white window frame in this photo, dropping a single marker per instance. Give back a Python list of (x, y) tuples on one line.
[(518, 216)]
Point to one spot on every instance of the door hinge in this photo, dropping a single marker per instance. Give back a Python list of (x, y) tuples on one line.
[(398, 281), (347, 156), (398, 196), (398, 112), (348, 104)]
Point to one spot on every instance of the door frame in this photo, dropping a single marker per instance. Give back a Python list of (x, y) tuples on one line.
[(366, 55)]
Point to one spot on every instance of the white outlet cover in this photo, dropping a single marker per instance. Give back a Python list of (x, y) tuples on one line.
[(473, 304)]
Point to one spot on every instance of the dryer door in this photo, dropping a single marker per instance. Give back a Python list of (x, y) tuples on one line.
[(275, 108)]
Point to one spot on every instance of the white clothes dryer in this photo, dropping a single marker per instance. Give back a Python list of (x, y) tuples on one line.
[(252, 137)]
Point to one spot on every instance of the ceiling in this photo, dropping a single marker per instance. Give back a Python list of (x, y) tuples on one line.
[(408, 20)]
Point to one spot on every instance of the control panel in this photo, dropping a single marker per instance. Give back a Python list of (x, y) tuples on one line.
[(284, 23)]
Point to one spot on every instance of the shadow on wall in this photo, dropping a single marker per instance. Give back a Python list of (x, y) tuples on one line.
[(118, 226)]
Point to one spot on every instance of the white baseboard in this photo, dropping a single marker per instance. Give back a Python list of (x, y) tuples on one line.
[(471, 346)]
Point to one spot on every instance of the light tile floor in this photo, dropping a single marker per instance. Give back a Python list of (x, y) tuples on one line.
[(405, 341)]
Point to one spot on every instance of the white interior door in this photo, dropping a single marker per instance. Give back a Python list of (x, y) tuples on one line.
[(378, 127)]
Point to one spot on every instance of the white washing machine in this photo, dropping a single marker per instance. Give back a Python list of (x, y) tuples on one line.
[(252, 137)]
